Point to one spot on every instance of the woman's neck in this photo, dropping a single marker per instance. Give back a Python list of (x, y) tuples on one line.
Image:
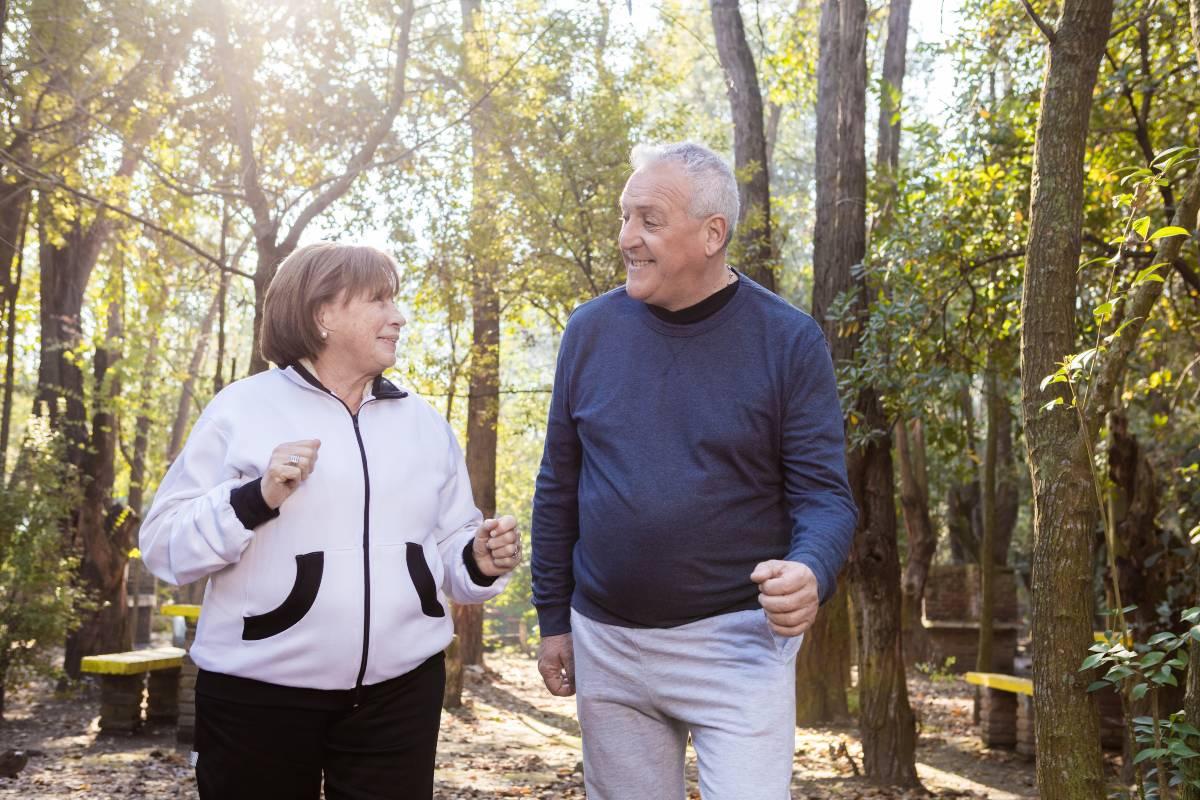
[(348, 385)]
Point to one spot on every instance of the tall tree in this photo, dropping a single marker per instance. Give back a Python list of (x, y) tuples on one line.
[(1067, 723), (886, 721), (753, 246), (484, 250), (278, 210)]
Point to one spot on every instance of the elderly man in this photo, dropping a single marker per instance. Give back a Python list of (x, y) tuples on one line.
[(692, 508)]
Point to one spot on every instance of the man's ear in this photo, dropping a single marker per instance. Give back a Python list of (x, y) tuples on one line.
[(716, 228)]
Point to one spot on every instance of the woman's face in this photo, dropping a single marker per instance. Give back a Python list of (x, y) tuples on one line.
[(363, 332)]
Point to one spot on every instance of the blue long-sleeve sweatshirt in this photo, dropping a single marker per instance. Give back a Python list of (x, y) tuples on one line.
[(678, 457)]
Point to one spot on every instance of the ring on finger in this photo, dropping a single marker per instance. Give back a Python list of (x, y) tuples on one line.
[(293, 459)]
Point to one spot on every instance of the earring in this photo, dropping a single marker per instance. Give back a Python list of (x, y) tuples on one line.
[(324, 334)]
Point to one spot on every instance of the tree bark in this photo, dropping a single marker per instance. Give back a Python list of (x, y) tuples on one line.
[(922, 536), (64, 276), (987, 545), (886, 721), (183, 410), (754, 250), (13, 260), (823, 665), (141, 432), (483, 399), (826, 687), (105, 532), (887, 152), (1067, 723)]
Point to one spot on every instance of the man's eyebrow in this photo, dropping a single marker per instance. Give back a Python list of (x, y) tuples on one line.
[(642, 207)]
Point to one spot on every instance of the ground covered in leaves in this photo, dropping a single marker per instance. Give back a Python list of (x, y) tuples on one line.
[(511, 739)]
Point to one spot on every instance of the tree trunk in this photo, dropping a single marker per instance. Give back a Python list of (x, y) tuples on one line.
[(922, 536), (887, 152), (13, 260), (483, 399), (104, 531), (753, 247), (886, 720), (1008, 493), (270, 256), (823, 665), (1069, 762), (65, 272), (141, 431), (987, 559), (183, 411), (222, 302), (827, 687)]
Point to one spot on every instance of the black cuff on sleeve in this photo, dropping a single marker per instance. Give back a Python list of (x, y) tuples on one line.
[(554, 620), (249, 505), (477, 577)]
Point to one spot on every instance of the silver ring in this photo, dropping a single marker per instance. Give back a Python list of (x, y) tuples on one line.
[(293, 459)]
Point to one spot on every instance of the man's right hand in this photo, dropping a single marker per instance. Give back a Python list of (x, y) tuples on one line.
[(556, 662)]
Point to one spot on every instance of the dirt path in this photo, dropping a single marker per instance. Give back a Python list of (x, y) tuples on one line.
[(512, 739)]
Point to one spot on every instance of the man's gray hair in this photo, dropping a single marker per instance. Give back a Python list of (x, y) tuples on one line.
[(714, 187)]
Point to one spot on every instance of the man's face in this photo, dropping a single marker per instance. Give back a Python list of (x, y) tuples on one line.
[(662, 245)]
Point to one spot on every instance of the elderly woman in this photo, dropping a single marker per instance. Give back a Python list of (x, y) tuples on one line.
[(332, 515)]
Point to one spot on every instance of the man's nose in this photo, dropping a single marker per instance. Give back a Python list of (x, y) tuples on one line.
[(630, 237)]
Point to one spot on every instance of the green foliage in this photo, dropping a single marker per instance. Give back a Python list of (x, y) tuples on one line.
[(39, 598), (1144, 668)]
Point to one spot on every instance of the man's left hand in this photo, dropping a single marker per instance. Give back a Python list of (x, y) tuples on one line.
[(497, 546), (787, 591)]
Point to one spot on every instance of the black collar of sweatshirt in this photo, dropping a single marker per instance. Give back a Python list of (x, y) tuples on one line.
[(700, 311)]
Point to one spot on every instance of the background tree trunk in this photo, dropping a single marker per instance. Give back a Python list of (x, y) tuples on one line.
[(105, 530), (826, 687), (1067, 724), (823, 665), (887, 151), (13, 261), (886, 721), (987, 545), (753, 254), (483, 399), (183, 409), (922, 536)]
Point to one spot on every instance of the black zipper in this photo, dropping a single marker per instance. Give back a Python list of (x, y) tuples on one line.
[(378, 388), (362, 668)]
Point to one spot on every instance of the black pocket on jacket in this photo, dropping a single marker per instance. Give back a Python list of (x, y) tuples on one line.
[(309, 568), (422, 578)]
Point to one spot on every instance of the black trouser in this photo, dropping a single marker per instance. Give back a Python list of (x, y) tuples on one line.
[(382, 748)]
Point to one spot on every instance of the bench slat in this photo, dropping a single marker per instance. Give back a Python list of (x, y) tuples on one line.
[(189, 612), (134, 662), (1004, 683)]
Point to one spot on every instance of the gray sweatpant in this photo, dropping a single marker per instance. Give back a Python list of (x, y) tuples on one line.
[(729, 681)]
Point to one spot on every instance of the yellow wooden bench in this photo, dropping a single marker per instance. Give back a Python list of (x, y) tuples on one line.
[(1006, 710), (123, 677), (189, 612), (1003, 683)]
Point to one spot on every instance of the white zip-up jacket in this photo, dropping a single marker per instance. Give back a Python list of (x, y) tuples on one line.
[(346, 584)]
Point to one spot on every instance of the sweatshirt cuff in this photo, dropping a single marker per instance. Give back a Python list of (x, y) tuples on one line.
[(553, 620), (477, 577), (248, 503)]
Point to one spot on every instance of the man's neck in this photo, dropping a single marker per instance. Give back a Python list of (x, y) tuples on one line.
[(715, 277)]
